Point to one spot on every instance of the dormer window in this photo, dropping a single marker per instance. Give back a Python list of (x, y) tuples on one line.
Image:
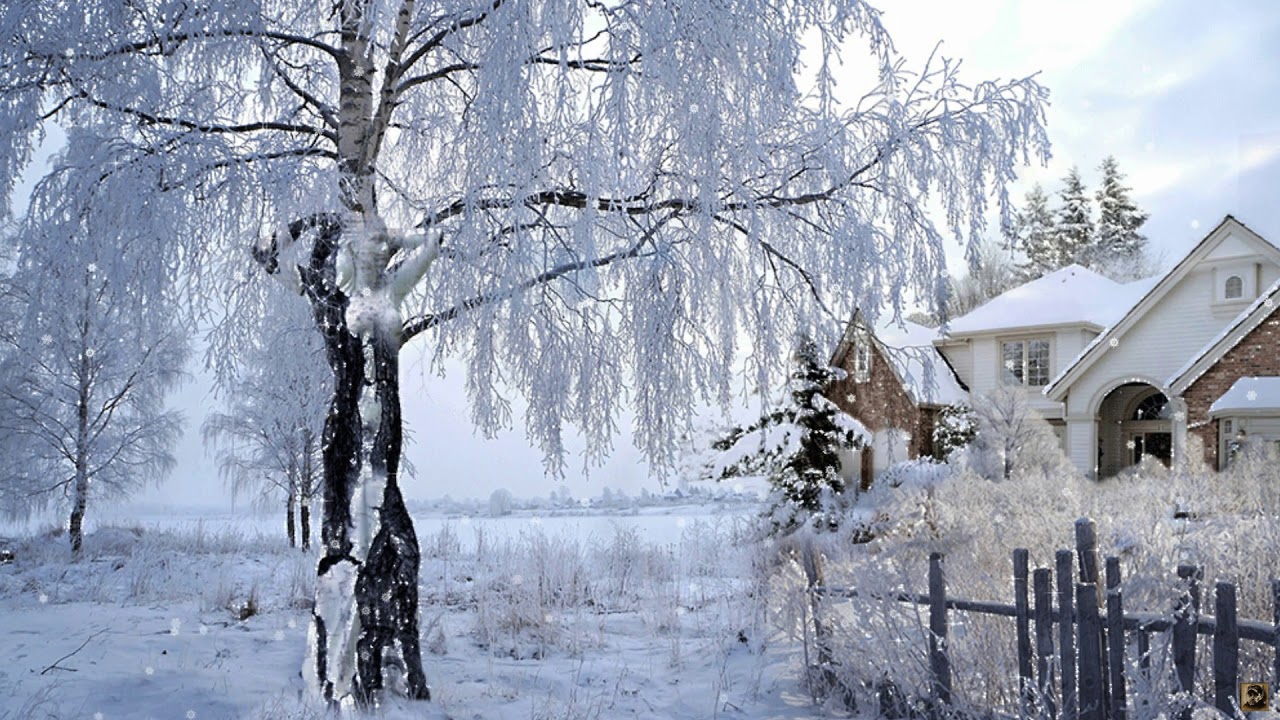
[(1234, 289), (862, 356)]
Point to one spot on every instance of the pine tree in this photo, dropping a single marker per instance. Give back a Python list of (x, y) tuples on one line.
[(1035, 234), (1120, 250), (1074, 230), (798, 447)]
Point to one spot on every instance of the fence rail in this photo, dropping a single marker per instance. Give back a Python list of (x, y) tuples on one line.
[(1092, 632)]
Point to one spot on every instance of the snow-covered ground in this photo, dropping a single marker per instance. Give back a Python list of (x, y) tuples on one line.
[(654, 612)]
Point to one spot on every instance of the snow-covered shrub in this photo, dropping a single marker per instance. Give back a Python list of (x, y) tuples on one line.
[(1013, 439), (500, 502), (954, 428)]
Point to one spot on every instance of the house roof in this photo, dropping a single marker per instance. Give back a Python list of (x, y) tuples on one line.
[(1073, 295), (1249, 396), (908, 347), (1136, 310), (1235, 331)]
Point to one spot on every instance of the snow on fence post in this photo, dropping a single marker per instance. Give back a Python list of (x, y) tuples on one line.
[(1042, 590), (939, 663), (1066, 635), (1185, 623), (1115, 636), (1087, 550), (1091, 673), (1022, 615), (1226, 648)]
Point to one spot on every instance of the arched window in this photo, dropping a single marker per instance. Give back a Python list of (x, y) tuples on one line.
[(1152, 407), (1235, 287)]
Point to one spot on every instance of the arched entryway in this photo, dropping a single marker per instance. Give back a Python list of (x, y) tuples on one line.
[(1135, 421)]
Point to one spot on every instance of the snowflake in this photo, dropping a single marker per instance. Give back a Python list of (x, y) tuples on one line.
[(90, 352), (1131, 445), (292, 623), (1114, 342), (1252, 395), (1268, 303), (517, 579), (46, 339), (93, 268), (149, 670), (1008, 364), (681, 522), (694, 108), (97, 716), (43, 598), (279, 635), (1179, 416), (204, 629), (191, 715), (1195, 224)]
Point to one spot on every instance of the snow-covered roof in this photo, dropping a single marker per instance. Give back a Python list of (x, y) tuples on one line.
[(1182, 378), (1071, 295), (1249, 395), (924, 373)]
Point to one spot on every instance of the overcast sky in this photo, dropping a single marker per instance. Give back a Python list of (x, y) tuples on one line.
[(1185, 94)]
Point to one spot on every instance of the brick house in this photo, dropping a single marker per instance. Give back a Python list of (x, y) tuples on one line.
[(895, 383)]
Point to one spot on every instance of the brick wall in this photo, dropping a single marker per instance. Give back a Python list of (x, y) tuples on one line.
[(882, 402), (1258, 354)]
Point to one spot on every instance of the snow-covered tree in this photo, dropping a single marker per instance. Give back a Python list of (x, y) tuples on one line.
[(588, 202), (955, 427), (797, 447), (1035, 234), (1120, 251), (1013, 440), (92, 351), (1073, 229), (274, 418)]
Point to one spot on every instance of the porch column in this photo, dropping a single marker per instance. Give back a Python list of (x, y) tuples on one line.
[(1178, 419)]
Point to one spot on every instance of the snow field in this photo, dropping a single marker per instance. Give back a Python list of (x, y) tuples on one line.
[(519, 620)]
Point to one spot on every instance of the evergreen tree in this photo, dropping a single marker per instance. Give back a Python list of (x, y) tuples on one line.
[(1074, 230), (1120, 251), (797, 447), (1035, 234)]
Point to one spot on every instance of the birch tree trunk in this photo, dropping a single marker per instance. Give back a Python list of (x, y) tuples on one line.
[(289, 503)]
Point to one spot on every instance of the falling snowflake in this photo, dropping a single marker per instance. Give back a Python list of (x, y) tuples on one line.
[(1252, 395), (93, 268), (43, 598), (149, 670), (1131, 445), (694, 108), (191, 715), (1114, 342), (681, 522), (97, 716), (1179, 416), (279, 635), (292, 623), (90, 352), (46, 339), (517, 579), (1195, 224), (1268, 303)]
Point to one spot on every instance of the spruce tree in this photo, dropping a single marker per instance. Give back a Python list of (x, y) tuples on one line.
[(1075, 230), (1120, 250), (1035, 234)]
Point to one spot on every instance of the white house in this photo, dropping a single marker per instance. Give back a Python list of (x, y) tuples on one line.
[(1123, 371)]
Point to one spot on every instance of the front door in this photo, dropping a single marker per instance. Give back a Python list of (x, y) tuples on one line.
[(1155, 444)]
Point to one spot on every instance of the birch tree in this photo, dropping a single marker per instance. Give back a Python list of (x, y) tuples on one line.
[(588, 202), (268, 437), (88, 355)]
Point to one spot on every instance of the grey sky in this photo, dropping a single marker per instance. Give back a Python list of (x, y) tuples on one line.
[(1185, 94)]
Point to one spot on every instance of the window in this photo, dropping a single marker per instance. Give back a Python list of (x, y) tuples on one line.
[(1152, 407), (862, 356), (1234, 288), (1025, 362)]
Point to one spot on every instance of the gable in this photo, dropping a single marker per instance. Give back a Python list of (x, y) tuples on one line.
[(1173, 320)]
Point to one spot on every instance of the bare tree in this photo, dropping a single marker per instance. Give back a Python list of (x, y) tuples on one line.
[(594, 201), (88, 357), (270, 431)]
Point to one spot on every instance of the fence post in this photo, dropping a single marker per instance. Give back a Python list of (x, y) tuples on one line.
[(1066, 634), (1089, 626), (1226, 648), (1087, 549), (1186, 621), (1022, 615), (939, 663), (1115, 638), (1042, 592)]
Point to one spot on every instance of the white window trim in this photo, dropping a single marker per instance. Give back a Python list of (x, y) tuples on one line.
[(1026, 341), (862, 356)]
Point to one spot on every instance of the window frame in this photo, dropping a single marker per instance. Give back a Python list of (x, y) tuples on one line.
[(862, 356), (1007, 376), (1239, 288)]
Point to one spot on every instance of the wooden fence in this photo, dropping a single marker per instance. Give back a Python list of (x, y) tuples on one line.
[(1089, 619)]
